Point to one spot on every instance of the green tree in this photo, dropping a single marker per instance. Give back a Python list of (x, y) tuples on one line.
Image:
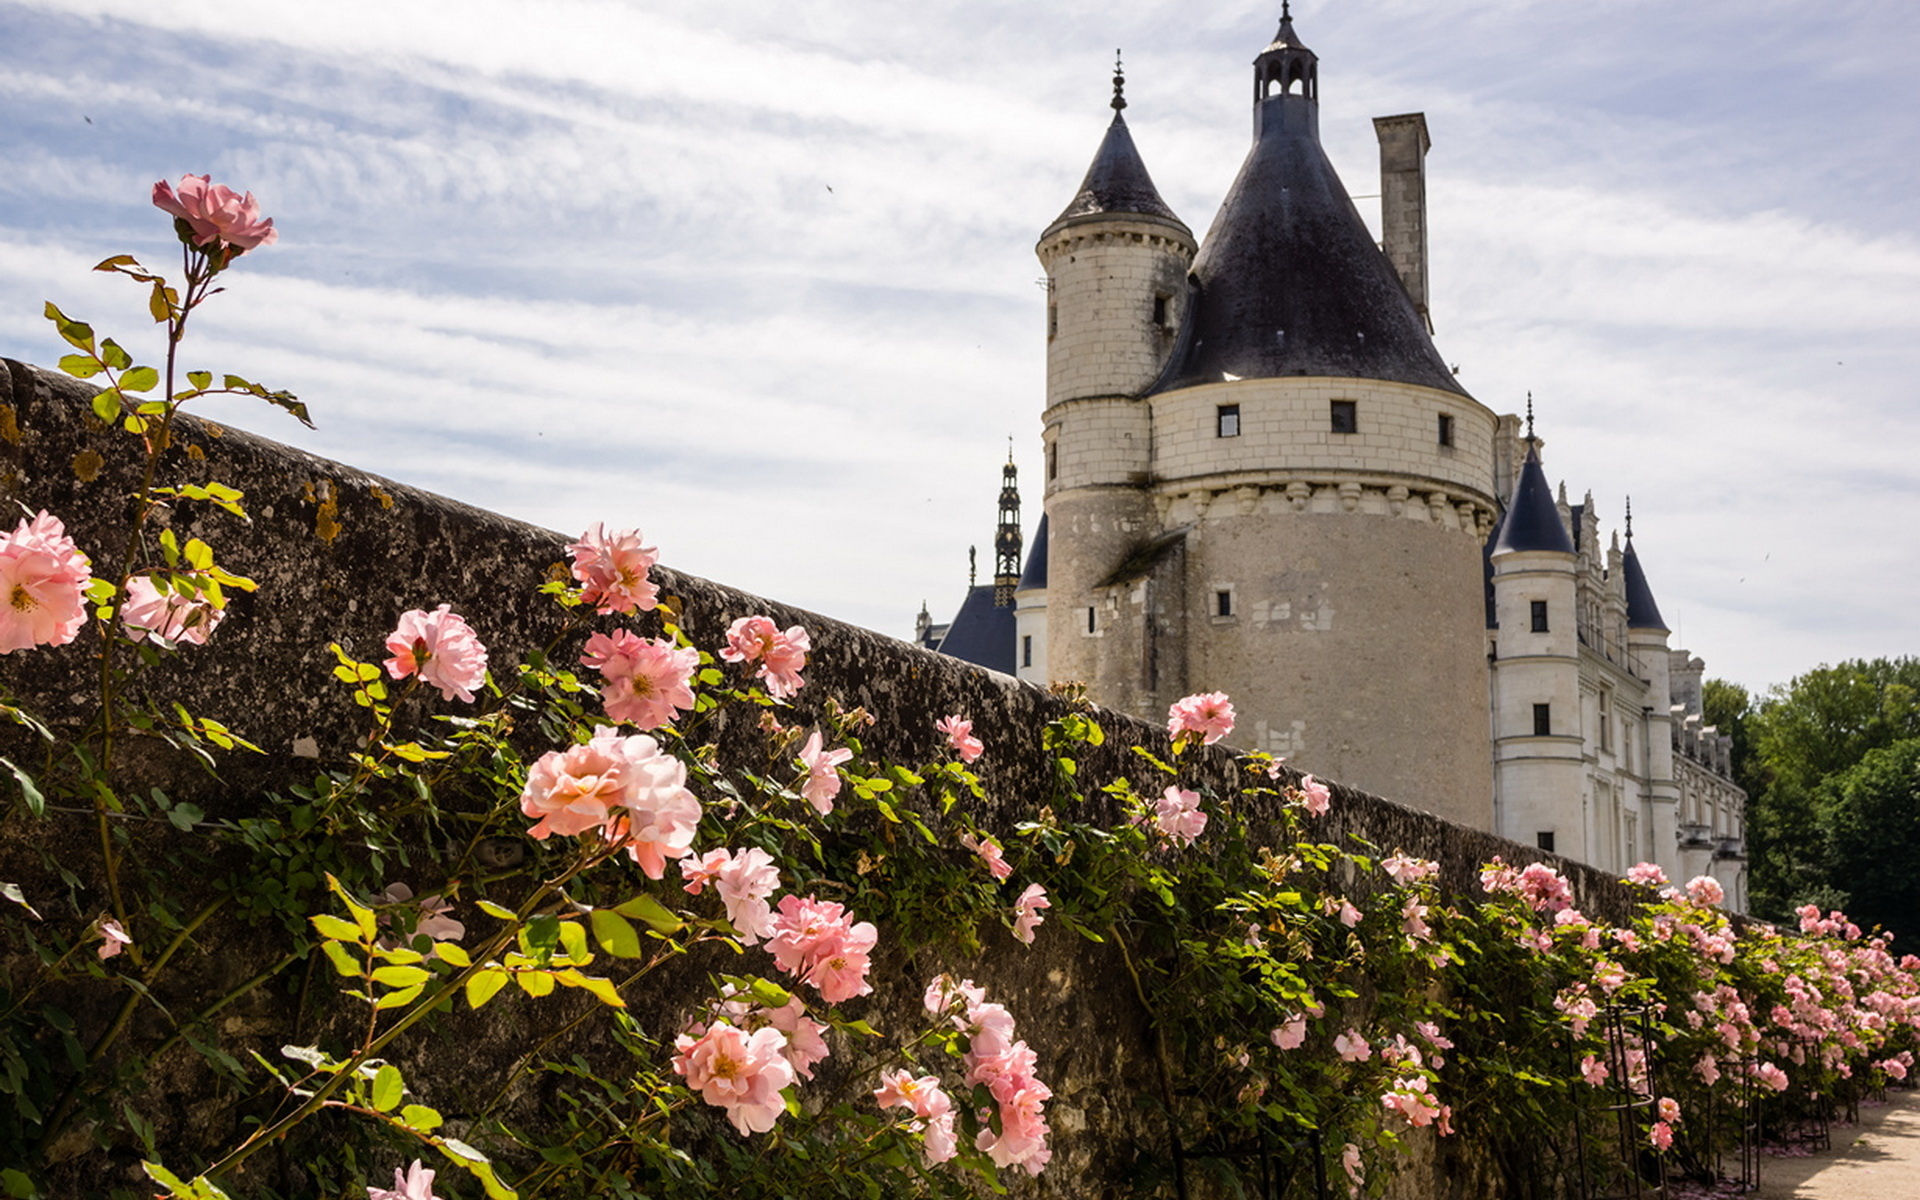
[(1820, 725), (1729, 707), (1870, 815)]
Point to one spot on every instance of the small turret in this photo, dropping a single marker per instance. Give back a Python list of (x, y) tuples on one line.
[(1006, 537), (1642, 612)]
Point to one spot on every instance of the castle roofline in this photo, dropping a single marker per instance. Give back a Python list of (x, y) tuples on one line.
[(1533, 519), (1117, 184)]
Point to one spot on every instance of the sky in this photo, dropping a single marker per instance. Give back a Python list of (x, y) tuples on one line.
[(759, 279)]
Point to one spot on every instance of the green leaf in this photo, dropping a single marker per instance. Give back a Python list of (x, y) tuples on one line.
[(401, 977), (309, 1055), (19, 1184), (140, 379), (334, 928), (484, 985), (476, 1163), (36, 803), (341, 960), (201, 380), (399, 999), (185, 816), (645, 908), (80, 366), (420, 1118), (388, 1088), (452, 954), (199, 555), (77, 335), (770, 993), (602, 989), (615, 933), (362, 915), (494, 910), (106, 405), (573, 941)]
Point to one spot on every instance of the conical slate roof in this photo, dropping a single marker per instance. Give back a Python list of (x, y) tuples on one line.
[(1117, 182), (1642, 612), (1035, 575), (1289, 280), (1533, 521)]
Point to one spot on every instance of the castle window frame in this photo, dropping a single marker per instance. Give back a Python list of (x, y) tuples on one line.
[(1093, 622), (1161, 304), (1606, 721), (1446, 431), (1226, 420), (1344, 416), (1223, 605), (1538, 609), (1053, 319), (1053, 460), (1544, 840), (1543, 720), (1026, 650)]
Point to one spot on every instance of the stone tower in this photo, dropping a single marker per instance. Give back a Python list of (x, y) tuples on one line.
[(1262, 478)]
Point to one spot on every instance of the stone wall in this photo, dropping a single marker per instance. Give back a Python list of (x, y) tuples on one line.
[(338, 553)]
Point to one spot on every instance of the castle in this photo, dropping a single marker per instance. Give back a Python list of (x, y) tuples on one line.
[(1263, 479)]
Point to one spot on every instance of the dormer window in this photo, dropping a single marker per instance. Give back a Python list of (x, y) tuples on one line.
[(1226, 420)]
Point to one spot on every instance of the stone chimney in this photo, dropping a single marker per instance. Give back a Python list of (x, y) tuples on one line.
[(1403, 201)]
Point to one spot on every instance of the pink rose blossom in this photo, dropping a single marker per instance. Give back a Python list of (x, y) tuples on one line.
[(170, 618), (1026, 910), (659, 816), (1893, 1067), (1349, 915), (1594, 1071), (1646, 873), (1317, 796), (1022, 1138), (806, 1041), (1413, 920), (740, 1072), (1669, 1109), (429, 914), (823, 779), (1410, 1099), (1544, 888), (648, 680), (216, 215), (1661, 1135), (1177, 815), (1405, 869), (744, 881), (44, 578), (1705, 890), (576, 789), (1351, 1047), (441, 649), (1350, 1163), (1708, 1068), (931, 1107), (820, 942), (416, 1183), (1207, 716), (1772, 1076), (781, 656), (990, 854), (960, 737), (1290, 1035), (113, 939), (613, 569)]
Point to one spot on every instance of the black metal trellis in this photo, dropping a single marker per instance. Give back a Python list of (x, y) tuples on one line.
[(1281, 1165), (1733, 1122), (1618, 1162)]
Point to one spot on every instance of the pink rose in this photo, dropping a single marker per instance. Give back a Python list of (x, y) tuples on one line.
[(1669, 1109), (960, 737), (781, 656), (990, 854), (1177, 815), (1661, 1135), (44, 578), (215, 214), (1290, 1035), (113, 939), (1349, 915), (573, 790), (744, 881), (823, 779), (415, 1184), (820, 942), (1646, 873), (1207, 717), (1350, 1163), (1351, 1047), (649, 680), (612, 567), (739, 1072), (659, 816), (1405, 869), (1705, 890), (1026, 910), (168, 618), (1317, 796), (441, 649)]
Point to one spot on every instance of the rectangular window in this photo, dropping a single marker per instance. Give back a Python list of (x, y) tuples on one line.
[(1160, 312), (1223, 604), (1606, 721), (1446, 430), (1053, 320), (1026, 650), (1226, 420), (1543, 720), (1053, 460), (1539, 616), (1544, 839), (1346, 416), (1092, 621)]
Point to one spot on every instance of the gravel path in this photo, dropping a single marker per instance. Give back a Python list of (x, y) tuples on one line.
[(1878, 1159)]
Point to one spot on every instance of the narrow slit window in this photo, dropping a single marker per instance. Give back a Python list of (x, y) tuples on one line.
[(1026, 650), (1226, 420), (1346, 416), (1053, 461), (1543, 720), (1446, 430), (1223, 604), (1053, 321), (1160, 312), (1093, 620)]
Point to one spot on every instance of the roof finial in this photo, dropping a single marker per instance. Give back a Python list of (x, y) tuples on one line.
[(1119, 84), (1630, 521), (973, 566), (1529, 418), (1284, 14)]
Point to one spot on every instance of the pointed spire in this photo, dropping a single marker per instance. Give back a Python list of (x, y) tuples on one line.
[(1530, 441), (1006, 538), (1117, 181), (1642, 612), (1533, 520), (1629, 520)]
